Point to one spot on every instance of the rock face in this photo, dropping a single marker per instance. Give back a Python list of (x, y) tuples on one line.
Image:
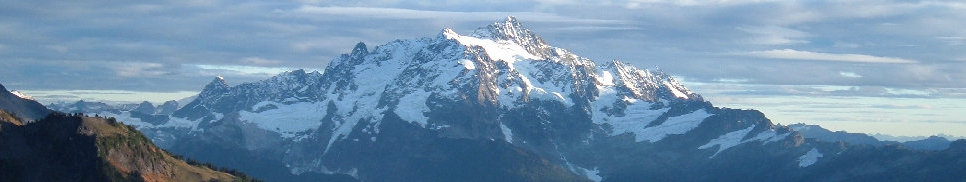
[(64, 147), (499, 104)]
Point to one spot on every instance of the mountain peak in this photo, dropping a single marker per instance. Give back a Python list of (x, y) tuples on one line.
[(359, 49), (296, 73), (511, 18), (216, 85), (21, 95), (512, 30), (512, 23), (447, 32), (508, 29), (219, 80)]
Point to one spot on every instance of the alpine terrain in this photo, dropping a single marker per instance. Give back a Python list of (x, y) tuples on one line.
[(60, 147), (501, 104)]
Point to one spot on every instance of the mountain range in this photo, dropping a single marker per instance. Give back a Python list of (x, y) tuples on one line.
[(501, 104), (822, 134), (37, 144)]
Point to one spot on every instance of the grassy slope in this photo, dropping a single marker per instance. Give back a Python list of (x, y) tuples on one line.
[(121, 153)]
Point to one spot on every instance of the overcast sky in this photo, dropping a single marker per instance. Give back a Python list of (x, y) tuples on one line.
[(894, 67)]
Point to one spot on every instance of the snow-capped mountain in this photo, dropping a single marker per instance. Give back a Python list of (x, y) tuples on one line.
[(498, 104), (21, 95), (22, 106)]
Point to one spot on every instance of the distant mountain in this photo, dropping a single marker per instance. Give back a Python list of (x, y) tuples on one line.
[(500, 104), (822, 134), (145, 108), (22, 106), (90, 107), (168, 108), (63, 147), (931, 143), (885, 137)]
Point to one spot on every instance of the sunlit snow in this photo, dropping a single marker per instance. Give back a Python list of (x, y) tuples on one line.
[(727, 140), (734, 138), (674, 125), (411, 107)]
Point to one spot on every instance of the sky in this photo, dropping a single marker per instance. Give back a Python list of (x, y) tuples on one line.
[(893, 67)]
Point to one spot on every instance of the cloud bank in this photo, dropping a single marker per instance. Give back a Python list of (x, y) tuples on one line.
[(818, 56)]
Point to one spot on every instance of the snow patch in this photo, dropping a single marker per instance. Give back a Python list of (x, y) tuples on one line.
[(468, 64), (732, 139), (287, 120), (593, 175), (507, 133), (605, 78), (261, 104), (769, 136), (727, 140), (636, 118), (674, 125), (809, 158), (638, 115), (412, 108)]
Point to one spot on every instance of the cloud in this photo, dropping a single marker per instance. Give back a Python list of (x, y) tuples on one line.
[(334, 44), (732, 80), (138, 69), (596, 28), (778, 91), (902, 106), (260, 61), (774, 35), (244, 70), (638, 3), (402, 13), (953, 41), (850, 74), (681, 37), (818, 56), (58, 48), (111, 96)]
